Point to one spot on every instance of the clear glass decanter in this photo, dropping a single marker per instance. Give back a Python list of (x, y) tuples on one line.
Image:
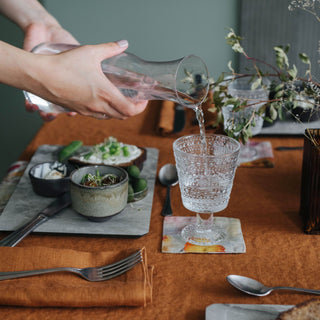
[(184, 81)]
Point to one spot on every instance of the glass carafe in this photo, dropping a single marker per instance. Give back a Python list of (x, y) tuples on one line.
[(184, 81)]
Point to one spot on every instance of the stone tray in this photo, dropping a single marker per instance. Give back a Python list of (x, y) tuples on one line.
[(24, 204)]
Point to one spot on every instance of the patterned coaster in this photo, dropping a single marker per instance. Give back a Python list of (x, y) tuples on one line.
[(172, 242), (262, 155)]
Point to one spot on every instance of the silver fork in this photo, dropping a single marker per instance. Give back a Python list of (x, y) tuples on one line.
[(91, 274)]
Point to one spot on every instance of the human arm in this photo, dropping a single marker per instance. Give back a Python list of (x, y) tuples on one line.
[(36, 22), (59, 78), (39, 26), (72, 79)]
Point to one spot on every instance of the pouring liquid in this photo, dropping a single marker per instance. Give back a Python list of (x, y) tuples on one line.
[(200, 118)]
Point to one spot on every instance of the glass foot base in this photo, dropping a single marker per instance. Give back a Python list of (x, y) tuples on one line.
[(200, 236)]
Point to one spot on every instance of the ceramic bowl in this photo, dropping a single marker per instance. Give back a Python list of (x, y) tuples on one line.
[(99, 203), (50, 179)]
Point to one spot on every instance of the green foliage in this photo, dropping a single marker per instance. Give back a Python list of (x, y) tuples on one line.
[(304, 58), (234, 41), (286, 88), (282, 60)]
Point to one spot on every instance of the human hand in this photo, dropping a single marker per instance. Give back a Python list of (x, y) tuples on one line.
[(46, 116), (35, 34), (77, 83)]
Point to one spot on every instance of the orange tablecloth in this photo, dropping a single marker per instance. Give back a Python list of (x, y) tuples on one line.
[(265, 200)]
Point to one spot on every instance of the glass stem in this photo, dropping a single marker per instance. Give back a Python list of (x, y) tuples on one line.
[(204, 224)]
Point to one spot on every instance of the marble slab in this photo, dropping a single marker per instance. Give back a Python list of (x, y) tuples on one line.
[(244, 311), (24, 204)]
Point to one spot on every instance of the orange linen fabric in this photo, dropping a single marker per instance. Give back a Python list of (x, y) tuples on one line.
[(166, 118), (265, 200), (133, 288)]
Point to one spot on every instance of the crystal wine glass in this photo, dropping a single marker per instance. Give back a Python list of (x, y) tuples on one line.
[(256, 98), (205, 180), (184, 81)]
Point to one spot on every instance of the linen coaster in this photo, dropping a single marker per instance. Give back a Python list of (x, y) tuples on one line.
[(172, 242), (263, 157)]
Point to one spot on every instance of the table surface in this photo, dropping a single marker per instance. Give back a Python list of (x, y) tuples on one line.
[(266, 200)]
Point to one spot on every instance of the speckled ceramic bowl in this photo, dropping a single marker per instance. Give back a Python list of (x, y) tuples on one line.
[(99, 203)]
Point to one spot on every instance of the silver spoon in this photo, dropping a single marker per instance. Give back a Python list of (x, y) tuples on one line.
[(168, 176), (256, 288)]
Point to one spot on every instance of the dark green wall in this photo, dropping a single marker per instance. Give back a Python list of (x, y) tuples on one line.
[(17, 127), (156, 30)]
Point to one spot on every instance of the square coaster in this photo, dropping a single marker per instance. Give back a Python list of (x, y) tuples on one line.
[(172, 242), (263, 156)]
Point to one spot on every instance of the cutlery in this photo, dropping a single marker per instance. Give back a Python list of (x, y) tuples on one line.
[(168, 177), (56, 206), (253, 287), (91, 274), (285, 148)]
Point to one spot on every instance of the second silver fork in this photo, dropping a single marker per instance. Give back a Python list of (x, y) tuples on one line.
[(91, 274)]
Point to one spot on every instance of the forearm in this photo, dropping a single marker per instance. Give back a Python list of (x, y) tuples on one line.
[(26, 12), (72, 79), (16, 66)]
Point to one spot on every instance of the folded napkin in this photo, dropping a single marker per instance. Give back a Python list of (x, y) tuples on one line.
[(166, 118), (133, 288)]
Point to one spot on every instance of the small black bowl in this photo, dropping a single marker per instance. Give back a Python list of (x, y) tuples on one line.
[(49, 187)]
